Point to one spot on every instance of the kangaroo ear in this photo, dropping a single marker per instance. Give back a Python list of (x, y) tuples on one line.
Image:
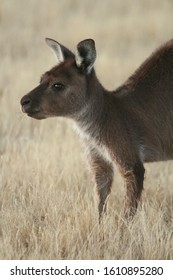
[(61, 52), (86, 55)]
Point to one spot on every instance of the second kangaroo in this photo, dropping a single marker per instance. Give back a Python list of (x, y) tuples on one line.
[(125, 127)]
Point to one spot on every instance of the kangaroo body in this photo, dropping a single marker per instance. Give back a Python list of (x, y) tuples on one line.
[(126, 127)]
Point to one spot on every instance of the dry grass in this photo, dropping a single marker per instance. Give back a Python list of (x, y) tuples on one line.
[(47, 208)]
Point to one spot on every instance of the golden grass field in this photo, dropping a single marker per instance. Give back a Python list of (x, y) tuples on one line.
[(47, 198)]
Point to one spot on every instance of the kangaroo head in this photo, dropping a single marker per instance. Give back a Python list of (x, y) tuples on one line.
[(63, 89)]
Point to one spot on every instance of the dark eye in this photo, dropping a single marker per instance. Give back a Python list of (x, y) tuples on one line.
[(57, 86)]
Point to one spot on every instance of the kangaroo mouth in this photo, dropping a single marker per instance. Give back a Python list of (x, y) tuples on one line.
[(37, 115)]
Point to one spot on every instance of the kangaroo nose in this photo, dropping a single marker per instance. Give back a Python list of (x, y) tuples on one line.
[(25, 103)]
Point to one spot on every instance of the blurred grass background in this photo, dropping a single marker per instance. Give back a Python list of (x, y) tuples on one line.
[(47, 208)]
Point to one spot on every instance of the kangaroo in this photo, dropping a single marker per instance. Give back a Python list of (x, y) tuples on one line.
[(125, 127)]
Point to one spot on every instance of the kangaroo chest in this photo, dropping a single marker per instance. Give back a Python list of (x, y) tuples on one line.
[(91, 143)]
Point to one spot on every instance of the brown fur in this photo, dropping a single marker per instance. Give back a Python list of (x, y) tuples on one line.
[(126, 127)]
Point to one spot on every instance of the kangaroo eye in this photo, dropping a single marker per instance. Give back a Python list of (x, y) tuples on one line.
[(57, 86)]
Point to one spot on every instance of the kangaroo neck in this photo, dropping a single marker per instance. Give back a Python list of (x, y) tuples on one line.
[(89, 119)]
